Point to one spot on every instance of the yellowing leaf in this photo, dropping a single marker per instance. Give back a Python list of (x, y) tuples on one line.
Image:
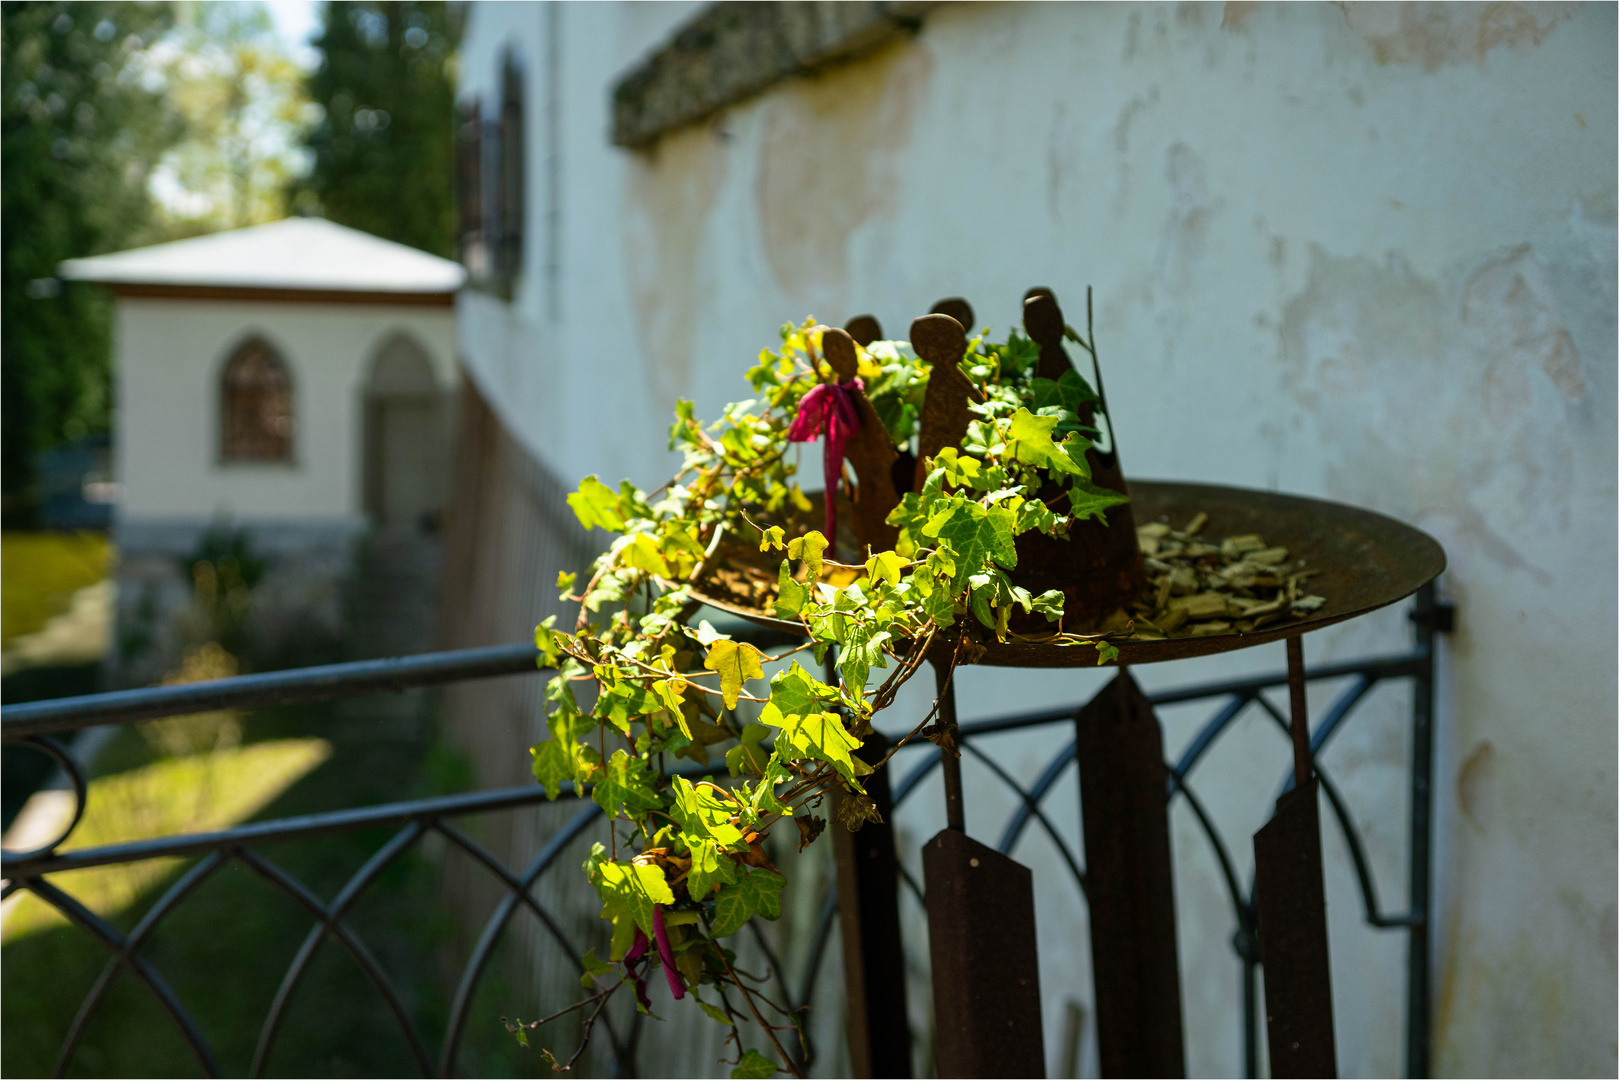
[(736, 662), (596, 504), (770, 538), (642, 553), (809, 548), (885, 566)]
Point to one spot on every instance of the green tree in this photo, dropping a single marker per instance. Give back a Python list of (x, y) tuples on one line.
[(82, 121), (383, 152), (245, 109)]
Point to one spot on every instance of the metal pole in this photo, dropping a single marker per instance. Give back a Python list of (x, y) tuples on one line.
[(955, 812), (1428, 618), (1300, 710)]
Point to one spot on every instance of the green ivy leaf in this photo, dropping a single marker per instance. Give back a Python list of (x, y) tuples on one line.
[(623, 785), (1070, 391), (818, 735), (552, 766), (771, 538), (757, 892), (736, 662), (754, 1066), (628, 892), (1087, 500), (594, 969), (548, 641), (1030, 442), (595, 504), (642, 553), (710, 867), (975, 533), (790, 595), (1050, 604), (715, 1013)]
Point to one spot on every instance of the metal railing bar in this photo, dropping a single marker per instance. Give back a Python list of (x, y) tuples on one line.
[(426, 669), (317, 933), (270, 688), (92, 1001), (1020, 817), (916, 889), (282, 829), (1363, 869), (911, 779), (103, 931), (803, 1055), (1340, 809), (1205, 738), (346, 937), (1388, 667), (1239, 902), (491, 934), (823, 931), (1039, 815), (514, 884), (1328, 724), (81, 794)]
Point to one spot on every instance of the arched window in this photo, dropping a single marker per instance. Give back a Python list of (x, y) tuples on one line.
[(256, 406)]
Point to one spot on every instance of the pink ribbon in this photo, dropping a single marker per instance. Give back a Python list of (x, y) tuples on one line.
[(828, 410)]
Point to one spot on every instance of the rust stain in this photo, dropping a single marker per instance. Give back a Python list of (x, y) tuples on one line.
[(1434, 35), (670, 192), (830, 160), (1511, 300), (1473, 784), (1236, 11)]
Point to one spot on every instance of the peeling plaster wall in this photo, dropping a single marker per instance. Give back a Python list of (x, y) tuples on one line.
[(1363, 252)]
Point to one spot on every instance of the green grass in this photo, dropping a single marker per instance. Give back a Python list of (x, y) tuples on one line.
[(225, 949), (40, 572)]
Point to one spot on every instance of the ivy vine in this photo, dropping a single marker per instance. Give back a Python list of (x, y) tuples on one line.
[(639, 686)]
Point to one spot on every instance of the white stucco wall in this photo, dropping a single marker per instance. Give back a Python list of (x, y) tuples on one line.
[(170, 354), (1362, 252)]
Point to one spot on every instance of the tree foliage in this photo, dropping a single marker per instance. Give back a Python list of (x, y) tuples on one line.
[(82, 123), (687, 856), (383, 149), (242, 100)]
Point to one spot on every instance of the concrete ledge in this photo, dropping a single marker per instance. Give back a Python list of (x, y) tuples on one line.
[(733, 50)]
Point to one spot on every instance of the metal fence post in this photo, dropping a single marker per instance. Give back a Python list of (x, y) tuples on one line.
[(878, 1029), (1130, 883)]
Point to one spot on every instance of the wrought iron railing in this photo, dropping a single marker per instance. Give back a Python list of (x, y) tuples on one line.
[(37, 724)]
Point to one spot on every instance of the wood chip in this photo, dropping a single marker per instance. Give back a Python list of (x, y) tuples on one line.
[(1235, 545), (1204, 605), (1202, 587)]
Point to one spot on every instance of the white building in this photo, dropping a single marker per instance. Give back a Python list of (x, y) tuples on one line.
[(292, 380), (1364, 252)]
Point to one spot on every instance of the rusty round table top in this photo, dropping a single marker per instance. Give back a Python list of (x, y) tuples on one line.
[(1363, 560)]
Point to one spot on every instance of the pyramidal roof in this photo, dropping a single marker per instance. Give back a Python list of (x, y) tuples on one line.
[(291, 256)]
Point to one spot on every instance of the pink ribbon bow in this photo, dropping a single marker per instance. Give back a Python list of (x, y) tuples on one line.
[(828, 410)]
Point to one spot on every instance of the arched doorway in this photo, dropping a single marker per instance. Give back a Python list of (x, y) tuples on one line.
[(406, 437)]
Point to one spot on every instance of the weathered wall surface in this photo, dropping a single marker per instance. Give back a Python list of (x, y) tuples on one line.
[(1363, 252)]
